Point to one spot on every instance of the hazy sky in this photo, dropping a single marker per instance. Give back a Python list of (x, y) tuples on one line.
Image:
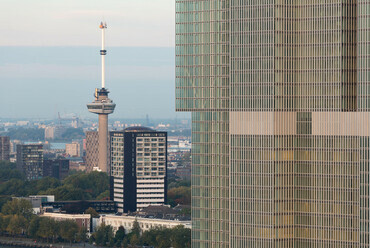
[(50, 62), (75, 22)]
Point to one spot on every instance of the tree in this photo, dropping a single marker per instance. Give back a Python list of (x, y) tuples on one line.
[(180, 237), (92, 212), (19, 207), (48, 228), (136, 228), (17, 225), (180, 195), (34, 227), (68, 230), (4, 222), (104, 235), (120, 235), (82, 235), (134, 240)]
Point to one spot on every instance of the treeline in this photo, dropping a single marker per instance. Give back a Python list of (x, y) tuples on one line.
[(17, 220), (179, 192), (80, 186), (21, 133), (177, 237), (71, 133)]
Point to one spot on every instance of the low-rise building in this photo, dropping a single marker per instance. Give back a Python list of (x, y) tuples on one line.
[(82, 220), (145, 223)]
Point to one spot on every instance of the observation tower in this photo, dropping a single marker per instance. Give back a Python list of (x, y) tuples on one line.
[(102, 106)]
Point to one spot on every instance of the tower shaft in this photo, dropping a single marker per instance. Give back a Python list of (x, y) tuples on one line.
[(103, 142)]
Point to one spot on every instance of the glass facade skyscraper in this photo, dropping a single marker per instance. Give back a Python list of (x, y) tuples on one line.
[(280, 98)]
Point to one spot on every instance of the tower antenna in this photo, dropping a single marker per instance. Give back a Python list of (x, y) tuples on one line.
[(103, 52)]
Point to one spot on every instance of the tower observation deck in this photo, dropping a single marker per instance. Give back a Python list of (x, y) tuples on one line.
[(103, 106)]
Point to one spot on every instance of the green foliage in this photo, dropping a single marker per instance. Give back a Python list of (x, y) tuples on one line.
[(180, 237), (67, 193), (173, 183), (180, 195), (81, 235), (8, 171), (136, 228), (177, 237), (92, 212), (68, 230), (79, 186), (103, 196), (18, 207), (34, 227), (120, 235), (72, 133), (17, 225), (94, 182), (14, 187), (26, 134), (48, 228), (4, 222), (43, 184), (104, 235)]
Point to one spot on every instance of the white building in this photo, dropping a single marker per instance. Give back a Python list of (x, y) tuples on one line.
[(138, 163), (82, 220), (145, 223)]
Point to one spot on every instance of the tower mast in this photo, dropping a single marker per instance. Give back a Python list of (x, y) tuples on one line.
[(103, 52)]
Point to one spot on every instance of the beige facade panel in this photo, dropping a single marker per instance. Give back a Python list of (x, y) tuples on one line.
[(285, 123), (263, 123), (341, 123)]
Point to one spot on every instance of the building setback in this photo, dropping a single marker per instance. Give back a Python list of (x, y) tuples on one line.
[(30, 160), (138, 168), (280, 99), (4, 148)]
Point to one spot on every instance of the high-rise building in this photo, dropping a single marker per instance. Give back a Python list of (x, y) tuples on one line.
[(138, 168), (103, 106), (74, 149), (57, 168), (54, 132), (92, 155), (30, 160), (4, 148), (280, 98)]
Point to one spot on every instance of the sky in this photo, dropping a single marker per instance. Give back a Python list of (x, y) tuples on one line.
[(50, 58)]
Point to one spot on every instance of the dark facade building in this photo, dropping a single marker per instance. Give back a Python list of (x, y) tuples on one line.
[(138, 162), (57, 168), (4, 147), (30, 160)]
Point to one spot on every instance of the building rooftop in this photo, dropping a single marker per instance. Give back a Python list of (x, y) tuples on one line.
[(138, 129)]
